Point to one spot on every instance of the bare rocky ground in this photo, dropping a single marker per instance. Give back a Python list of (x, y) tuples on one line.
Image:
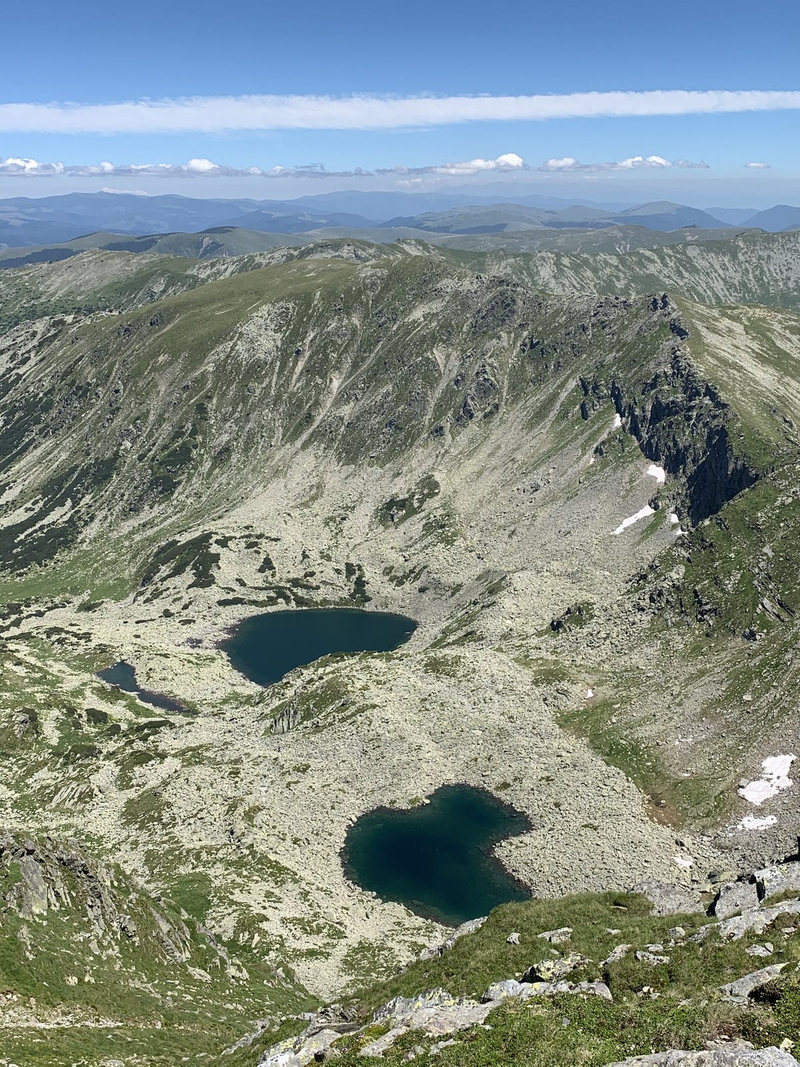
[(385, 729), (558, 663)]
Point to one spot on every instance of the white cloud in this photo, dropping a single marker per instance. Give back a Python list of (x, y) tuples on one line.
[(509, 161), (565, 163), (758, 166), (212, 114), (569, 163), (205, 167), (15, 165), (407, 176), (200, 166), (506, 162)]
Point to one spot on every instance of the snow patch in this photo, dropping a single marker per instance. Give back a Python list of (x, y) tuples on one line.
[(776, 778), (615, 425), (642, 514), (676, 522), (684, 862), (657, 472), (751, 822), (589, 694)]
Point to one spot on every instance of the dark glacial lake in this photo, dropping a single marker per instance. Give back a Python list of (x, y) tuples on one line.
[(437, 858), (124, 677), (266, 647)]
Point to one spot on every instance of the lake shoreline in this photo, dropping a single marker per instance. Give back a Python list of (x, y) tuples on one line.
[(448, 794)]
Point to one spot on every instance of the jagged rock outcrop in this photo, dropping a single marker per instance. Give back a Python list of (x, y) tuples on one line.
[(468, 927), (49, 875)]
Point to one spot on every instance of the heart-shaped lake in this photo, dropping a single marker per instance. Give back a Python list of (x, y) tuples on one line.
[(436, 858)]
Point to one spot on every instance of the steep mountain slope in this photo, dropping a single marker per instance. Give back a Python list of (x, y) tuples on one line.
[(584, 980), (748, 268), (92, 965), (185, 443)]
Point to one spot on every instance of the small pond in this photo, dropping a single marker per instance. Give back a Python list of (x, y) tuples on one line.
[(437, 858), (123, 676), (266, 647)]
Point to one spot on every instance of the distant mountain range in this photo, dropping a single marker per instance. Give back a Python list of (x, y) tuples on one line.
[(499, 218), (777, 219), (56, 220), (236, 241)]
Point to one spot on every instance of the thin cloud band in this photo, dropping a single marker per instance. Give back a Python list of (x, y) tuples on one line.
[(222, 114)]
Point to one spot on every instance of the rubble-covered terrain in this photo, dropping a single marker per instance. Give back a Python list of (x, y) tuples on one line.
[(580, 483)]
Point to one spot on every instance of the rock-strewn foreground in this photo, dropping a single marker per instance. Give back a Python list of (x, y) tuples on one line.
[(184, 444)]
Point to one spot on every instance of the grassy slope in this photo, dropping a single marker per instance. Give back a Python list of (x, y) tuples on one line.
[(680, 1007), (197, 326), (110, 972), (219, 241), (747, 268)]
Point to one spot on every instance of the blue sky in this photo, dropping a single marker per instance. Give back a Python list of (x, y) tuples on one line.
[(79, 59)]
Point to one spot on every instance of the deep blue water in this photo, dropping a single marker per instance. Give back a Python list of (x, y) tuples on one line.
[(266, 647), (124, 677), (436, 858)]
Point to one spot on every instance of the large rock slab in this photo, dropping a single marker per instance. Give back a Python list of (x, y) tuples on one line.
[(435, 1012), (737, 1056), (734, 897), (743, 987), (782, 878), (669, 899)]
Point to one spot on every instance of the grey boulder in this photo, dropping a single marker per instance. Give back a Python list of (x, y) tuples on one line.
[(735, 1056), (735, 897), (742, 988), (669, 899), (783, 878)]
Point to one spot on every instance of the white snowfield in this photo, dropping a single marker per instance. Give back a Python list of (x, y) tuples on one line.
[(752, 822), (776, 779), (642, 514), (657, 472), (615, 425)]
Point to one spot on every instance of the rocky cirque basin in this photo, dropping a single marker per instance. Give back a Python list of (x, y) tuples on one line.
[(436, 438)]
